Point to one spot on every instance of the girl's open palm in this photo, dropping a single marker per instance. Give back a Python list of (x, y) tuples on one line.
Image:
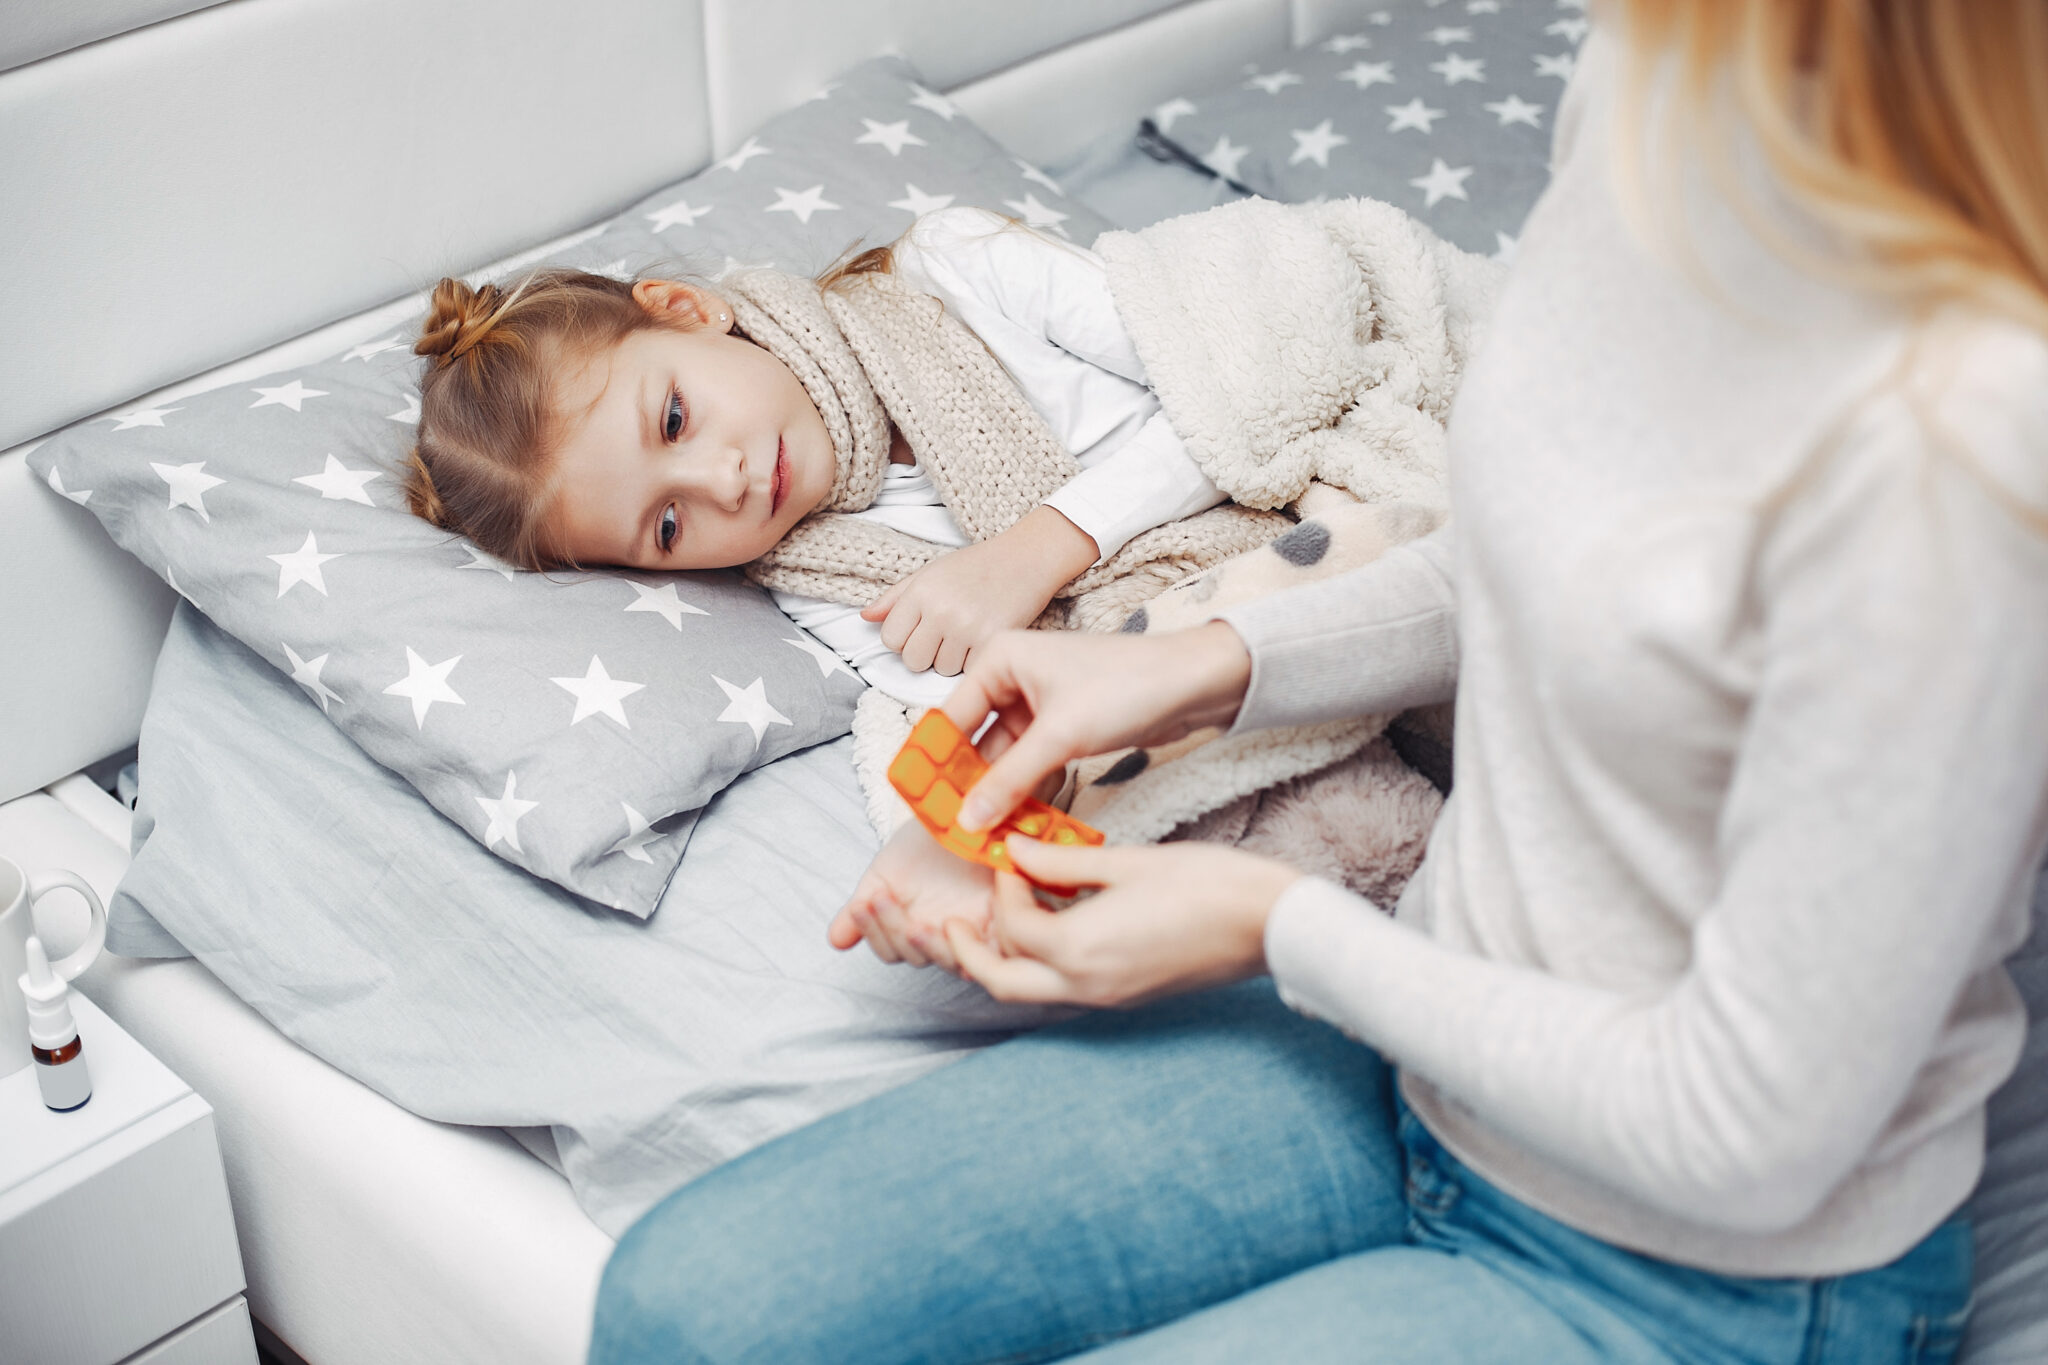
[(913, 887)]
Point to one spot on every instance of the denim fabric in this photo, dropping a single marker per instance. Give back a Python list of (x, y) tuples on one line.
[(1210, 1178), (1481, 1277)]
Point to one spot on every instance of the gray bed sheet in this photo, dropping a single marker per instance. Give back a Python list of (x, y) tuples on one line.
[(323, 890)]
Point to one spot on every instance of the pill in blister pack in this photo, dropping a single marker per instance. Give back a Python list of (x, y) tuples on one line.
[(934, 769)]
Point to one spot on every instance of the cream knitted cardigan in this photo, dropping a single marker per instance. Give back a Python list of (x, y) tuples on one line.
[(1290, 346)]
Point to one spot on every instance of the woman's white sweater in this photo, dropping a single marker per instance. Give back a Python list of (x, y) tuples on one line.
[(1748, 628)]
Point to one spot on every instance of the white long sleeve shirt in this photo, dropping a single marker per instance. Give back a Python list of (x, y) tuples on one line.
[(1748, 627), (1043, 310)]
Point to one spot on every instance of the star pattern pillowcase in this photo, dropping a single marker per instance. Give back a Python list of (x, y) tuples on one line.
[(856, 164), (1440, 107), (573, 723)]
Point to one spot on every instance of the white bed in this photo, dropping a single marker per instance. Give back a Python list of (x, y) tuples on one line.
[(199, 193)]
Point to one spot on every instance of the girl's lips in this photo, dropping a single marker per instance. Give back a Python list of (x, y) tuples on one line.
[(781, 483)]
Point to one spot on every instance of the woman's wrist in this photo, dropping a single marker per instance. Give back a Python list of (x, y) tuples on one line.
[(1218, 669), (1270, 883)]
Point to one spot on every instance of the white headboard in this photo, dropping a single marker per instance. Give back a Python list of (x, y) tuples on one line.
[(189, 184)]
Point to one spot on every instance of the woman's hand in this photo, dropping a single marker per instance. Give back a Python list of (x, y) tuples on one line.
[(913, 885), (941, 614), (1065, 695), (1169, 918)]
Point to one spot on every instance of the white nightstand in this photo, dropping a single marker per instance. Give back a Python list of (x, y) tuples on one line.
[(116, 1240)]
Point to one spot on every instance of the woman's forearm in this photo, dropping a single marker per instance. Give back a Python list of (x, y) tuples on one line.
[(1382, 637)]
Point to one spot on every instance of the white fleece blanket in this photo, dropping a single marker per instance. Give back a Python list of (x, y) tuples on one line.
[(1291, 342)]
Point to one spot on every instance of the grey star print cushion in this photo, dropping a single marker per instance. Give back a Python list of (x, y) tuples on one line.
[(1440, 107), (571, 722), (855, 165)]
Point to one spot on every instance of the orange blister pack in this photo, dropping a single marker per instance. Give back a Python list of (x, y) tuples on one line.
[(934, 769)]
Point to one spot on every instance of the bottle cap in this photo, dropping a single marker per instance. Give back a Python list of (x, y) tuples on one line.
[(50, 1025)]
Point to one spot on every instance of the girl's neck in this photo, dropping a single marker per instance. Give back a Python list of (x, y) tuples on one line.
[(899, 449)]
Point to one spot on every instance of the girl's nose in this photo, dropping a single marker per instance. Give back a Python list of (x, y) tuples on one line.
[(723, 477)]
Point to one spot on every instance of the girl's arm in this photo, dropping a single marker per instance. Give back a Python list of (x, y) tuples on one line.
[(1043, 309), (1017, 288)]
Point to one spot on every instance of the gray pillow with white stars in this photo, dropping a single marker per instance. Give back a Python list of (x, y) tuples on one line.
[(1440, 107), (853, 166), (573, 723)]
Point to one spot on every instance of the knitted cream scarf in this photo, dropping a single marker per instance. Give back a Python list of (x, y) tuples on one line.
[(871, 351)]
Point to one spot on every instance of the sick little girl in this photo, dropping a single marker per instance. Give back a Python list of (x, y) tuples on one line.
[(578, 420), (575, 419), (978, 387)]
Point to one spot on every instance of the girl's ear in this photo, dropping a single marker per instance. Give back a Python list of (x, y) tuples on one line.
[(671, 299)]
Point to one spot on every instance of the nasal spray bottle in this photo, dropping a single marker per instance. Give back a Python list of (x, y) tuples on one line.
[(53, 1037)]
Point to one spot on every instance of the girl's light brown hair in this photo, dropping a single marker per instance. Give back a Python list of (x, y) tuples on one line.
[(1916, 130), (484, 460)]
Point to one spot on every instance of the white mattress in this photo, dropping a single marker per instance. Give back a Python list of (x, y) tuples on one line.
[(368, 1234)]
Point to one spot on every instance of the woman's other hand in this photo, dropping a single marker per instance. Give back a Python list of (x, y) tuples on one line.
[(913, 885), (1167, 919), (940, 615), (1064, 695)]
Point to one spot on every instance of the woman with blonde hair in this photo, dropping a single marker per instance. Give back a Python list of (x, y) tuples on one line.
[(1677, 1047)]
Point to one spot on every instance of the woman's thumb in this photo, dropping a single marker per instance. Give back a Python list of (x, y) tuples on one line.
[(1011, 778)]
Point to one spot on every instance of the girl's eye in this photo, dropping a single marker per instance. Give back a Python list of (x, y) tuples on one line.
[(667, 532), (673, 417)]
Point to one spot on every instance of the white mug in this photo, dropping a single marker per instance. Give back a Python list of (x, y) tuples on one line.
[(19, 893)]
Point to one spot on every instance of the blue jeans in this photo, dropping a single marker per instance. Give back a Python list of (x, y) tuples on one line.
[(1212, 1178)]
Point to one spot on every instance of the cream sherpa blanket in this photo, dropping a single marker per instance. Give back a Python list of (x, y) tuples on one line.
[(1298, 342), (1298, 350)]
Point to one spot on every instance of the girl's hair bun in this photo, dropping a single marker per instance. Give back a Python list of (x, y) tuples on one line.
[(457, 318), (421, 497)]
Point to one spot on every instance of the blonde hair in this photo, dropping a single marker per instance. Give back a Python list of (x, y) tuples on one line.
[(1914, 130), (484, 459)]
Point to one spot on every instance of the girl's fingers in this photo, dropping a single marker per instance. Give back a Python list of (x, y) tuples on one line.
[(894, 921), (900, 624), (871, 930), (934, 945), (845, 929), (879, 608), (921, 647), (1005, 978), (952, 657)]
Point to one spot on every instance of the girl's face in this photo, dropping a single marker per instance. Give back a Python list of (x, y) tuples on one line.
[(691, 449)]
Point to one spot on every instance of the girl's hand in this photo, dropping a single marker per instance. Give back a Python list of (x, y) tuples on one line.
[(1169, 918), (942, 613), (1065, 695), (913, 886)]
